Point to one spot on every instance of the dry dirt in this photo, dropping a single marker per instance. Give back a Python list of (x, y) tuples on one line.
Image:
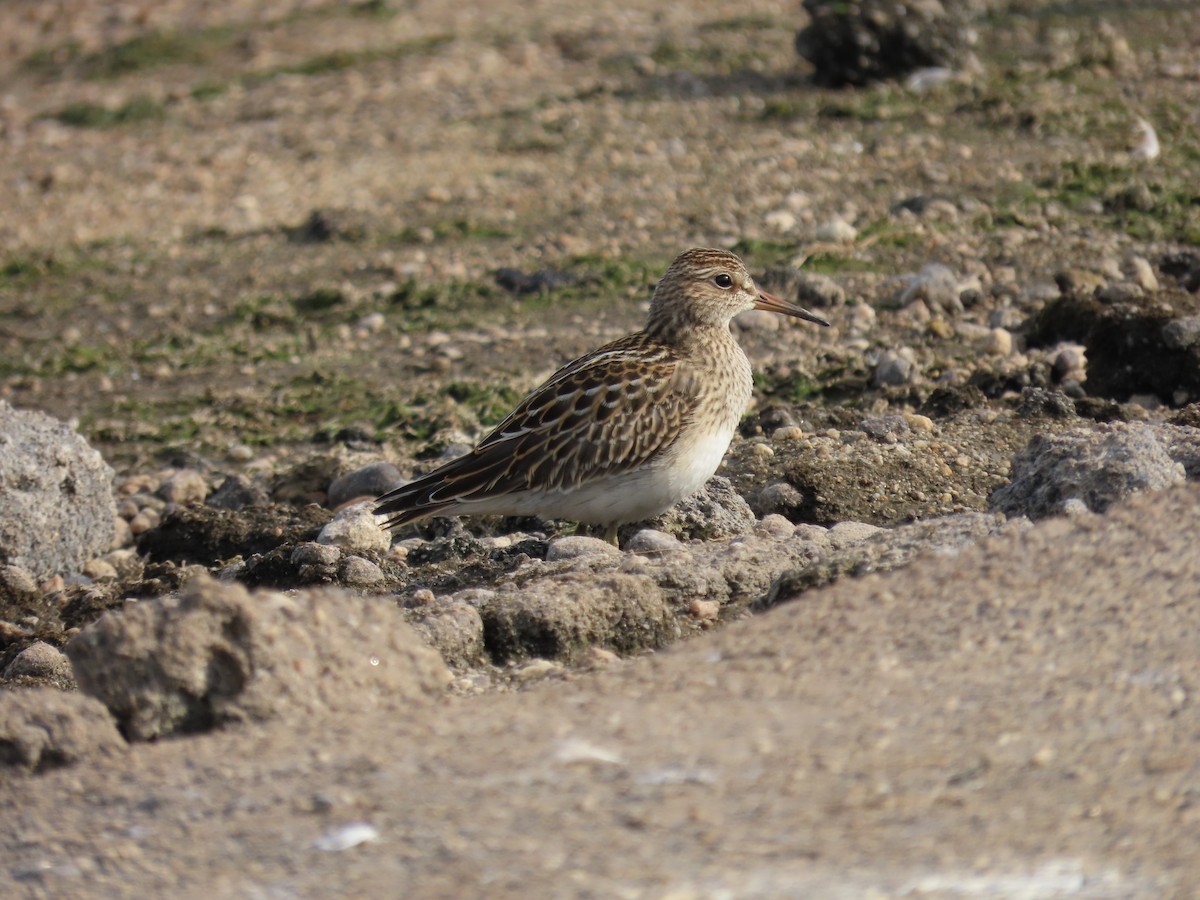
[(234, 232)]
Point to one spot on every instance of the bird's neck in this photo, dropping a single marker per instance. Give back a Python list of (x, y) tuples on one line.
[(685, 335)]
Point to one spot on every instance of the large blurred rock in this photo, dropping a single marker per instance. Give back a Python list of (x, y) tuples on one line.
[(43, 728), (861, 41), (1056, 473), (56, 500), (217, 654)]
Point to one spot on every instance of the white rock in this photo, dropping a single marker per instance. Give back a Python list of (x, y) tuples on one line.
[(836, 231), (355, 529)]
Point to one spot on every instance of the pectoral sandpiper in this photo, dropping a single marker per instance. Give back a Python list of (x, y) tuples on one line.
[(626, 431)]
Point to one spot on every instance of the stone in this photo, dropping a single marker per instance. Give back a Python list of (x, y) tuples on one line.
[(578, 546), (560, 618), (56, 495), (370, 480), (185, 486), (355, 530), (358, 572), (937, 286), (872, 40), (453, 627), (216, 654), (649, 540), (44, 728), (42, 662), (893, 369), (238, 492), (715, 511), (1096, 466)]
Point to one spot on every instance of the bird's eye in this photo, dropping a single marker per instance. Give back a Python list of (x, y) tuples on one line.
[(723, 281)]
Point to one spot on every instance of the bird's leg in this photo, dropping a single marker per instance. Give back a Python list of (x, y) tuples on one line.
[(610, 535)]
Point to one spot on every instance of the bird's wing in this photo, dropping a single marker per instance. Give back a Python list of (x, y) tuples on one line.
[(602, 414)]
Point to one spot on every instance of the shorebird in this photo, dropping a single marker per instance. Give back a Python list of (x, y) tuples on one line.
[(624, 432)]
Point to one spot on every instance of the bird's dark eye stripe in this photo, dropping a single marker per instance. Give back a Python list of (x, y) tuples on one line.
[(723, 281)]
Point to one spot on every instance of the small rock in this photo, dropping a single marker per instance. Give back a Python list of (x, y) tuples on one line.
[(355, 530), (843, 534), (787, 433), (372, 323), (370, 480), (43, 728), (999, 342), (937, 286), (41, 661), (539, 282), (650, 541), (537, 669), (578, 546), (893, 369), (1143, 274), (776, 526), (1120, 292), (704, 610), (99, 570), (359, 572), (310, 553), (144, 521), (56, 500), (16, 581), (185, 486), (122, 534), (238, 492), (780, 498), (836, 231), (1181, 334)]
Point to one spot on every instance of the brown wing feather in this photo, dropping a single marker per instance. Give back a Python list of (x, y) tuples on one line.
[(605, 413)]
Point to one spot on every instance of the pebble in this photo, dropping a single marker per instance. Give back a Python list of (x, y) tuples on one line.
[(40, 660), (144, 521), (98, 569), (1180, 334), (355, 530), (806, 531), (359, 572), (537, 669), (16, 580), (238, 492), (892, 369), (372, 323), (1143, 274), (937, 286), (577, 546), (370, 480), (1120, 292), (311, 553), (775, 526), (836, 231), (779, 496), (999, 342), (762, 450), (185, 486), (704, 610), (122, 533), (918, 422), (649, 540), (788, 433), (843, 534)]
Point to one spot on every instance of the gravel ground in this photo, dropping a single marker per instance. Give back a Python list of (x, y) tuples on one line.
[(267, 256)]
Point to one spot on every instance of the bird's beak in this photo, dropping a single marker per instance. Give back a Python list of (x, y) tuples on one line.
[(773, 304)]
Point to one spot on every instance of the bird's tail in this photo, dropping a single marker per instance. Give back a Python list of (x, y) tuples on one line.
[(410, 502)]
